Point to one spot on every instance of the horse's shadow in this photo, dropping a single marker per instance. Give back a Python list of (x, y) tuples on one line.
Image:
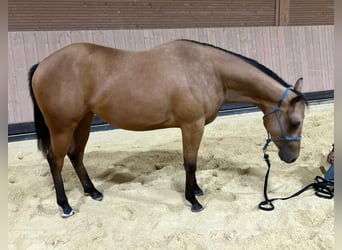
[(123, 167)]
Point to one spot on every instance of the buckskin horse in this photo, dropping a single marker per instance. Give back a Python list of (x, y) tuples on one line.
[(180, 84)]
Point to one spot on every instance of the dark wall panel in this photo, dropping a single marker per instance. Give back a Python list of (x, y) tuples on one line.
[(311, 12), (125, 14)]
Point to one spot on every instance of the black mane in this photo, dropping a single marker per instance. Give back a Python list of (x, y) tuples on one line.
[(253, 62)]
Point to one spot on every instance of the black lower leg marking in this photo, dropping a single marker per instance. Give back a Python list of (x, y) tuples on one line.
[(62, 200), (88, 187), (191, 187)]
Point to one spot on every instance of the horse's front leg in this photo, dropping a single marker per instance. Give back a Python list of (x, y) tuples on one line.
[(192, 135)]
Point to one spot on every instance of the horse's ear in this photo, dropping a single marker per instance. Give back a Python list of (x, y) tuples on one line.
[(299, 84)]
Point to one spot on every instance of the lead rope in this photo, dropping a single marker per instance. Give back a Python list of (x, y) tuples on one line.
[(322, 187)]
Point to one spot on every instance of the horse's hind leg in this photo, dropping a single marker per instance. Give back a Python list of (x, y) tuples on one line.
[(192, 135), (76, 153), (60, 142)]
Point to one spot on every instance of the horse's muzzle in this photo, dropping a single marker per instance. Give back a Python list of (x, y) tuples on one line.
[(287, 156)]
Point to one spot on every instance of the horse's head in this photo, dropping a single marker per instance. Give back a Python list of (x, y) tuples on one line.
[(284, 124)]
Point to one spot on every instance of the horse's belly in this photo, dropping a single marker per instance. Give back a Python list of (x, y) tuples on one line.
[(138, 119)]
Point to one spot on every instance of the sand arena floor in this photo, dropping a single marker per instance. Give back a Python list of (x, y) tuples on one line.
[(142, 179)]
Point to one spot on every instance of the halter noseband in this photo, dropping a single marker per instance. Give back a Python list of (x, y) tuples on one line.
[(276, 111)]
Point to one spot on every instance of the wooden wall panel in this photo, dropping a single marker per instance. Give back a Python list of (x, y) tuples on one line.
[(137, 14), (147, 14), (311, 12), (291, 52)]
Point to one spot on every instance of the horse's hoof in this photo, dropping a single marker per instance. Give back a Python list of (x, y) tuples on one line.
[(67, 215), (97, 196), (196, 208)]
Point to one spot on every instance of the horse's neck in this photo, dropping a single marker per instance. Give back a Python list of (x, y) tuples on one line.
[(244, 83)]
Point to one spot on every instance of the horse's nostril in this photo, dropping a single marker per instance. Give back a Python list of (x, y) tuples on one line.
[(294, 159)]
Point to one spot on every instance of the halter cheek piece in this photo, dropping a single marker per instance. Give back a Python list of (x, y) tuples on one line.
[(276, 111)]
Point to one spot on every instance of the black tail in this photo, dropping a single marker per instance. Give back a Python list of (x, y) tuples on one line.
[(43, 134)]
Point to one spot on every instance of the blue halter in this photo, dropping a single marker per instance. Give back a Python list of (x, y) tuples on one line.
[(276, 111)]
